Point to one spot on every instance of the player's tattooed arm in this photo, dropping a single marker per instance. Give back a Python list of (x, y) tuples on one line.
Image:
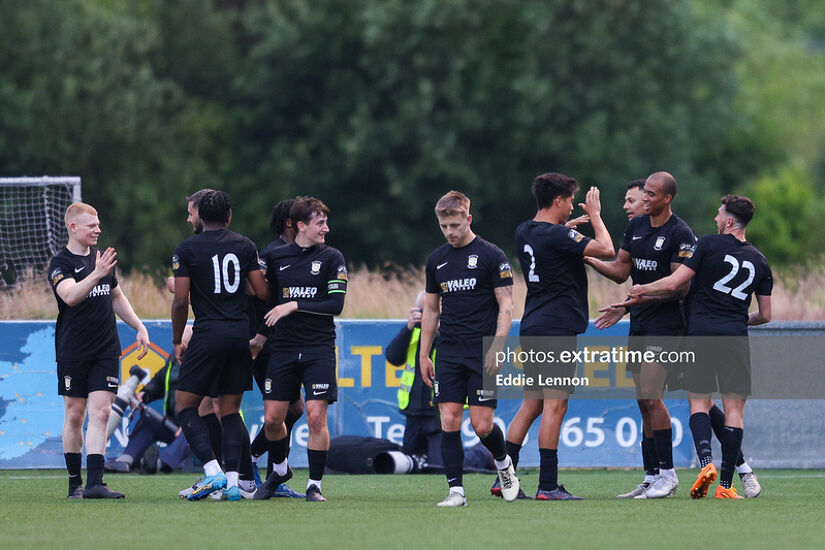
[(504, 297)]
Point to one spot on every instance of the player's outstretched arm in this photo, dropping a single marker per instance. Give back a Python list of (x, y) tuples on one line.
[(763, 314), (602, 245), (124, 310), (429, 324), (617, 270), (610, 315), (664, 286), (73, 292)]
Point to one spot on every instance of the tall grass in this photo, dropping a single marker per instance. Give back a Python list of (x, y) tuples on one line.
[(389, 294)]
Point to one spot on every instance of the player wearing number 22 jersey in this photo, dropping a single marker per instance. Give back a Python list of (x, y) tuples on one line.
[(727, 270)]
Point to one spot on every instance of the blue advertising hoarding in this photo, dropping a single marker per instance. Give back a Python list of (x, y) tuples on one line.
[(596, 433)]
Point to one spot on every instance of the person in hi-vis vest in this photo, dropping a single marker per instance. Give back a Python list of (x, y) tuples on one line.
[(415, 399)]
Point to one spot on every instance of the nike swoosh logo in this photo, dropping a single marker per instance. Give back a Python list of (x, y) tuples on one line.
[(79, 269), (319, 392), (483, 399), (439, 266), (284, 267), (636, 238), (112, 385)]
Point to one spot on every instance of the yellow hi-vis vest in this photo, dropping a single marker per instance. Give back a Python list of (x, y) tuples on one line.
[(408, 376)]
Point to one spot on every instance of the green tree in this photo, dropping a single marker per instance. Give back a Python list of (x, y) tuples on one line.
[(379, 108), (788, 208)]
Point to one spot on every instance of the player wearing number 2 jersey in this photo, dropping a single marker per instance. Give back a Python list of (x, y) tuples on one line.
[(213, 267), (728, 271), (551, 257)]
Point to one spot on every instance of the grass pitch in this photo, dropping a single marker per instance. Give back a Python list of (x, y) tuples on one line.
[(378, 512)]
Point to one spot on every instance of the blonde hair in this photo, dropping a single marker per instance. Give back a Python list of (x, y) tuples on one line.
[(453, 203), (77, 208)]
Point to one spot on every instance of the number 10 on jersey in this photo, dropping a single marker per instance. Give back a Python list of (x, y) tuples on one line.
[(222, 268)]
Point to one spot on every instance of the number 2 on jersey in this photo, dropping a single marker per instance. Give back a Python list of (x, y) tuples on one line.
[(531, 274), (735, 292), (236, 280)]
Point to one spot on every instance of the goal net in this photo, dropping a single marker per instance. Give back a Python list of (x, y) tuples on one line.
[(31, 223)]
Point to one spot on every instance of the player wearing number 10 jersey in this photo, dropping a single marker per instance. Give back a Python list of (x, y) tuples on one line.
[(727, 271), (213, 267)]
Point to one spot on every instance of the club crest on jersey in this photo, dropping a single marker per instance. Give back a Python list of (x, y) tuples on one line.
[(660, 241), (472, 261), (316, 267), (575, 235), (268, 385), (175, 262), (67, 382)]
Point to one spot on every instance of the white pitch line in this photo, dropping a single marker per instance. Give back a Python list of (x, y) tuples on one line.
[(30, 477)]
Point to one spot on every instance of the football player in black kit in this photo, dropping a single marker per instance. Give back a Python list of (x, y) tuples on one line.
[(213, 267), (654, 245), (87, 347), (473, 281), (726, 270), (281, 226), (309, 283), (550, 254)]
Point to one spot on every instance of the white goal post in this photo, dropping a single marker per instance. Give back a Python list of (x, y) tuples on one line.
[(31, 222)]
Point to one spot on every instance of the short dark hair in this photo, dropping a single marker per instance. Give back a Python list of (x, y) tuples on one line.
[(739, 207), (280, 214), (547, 187), (638, 184), (304, 208), (215, 207), (195, 198)]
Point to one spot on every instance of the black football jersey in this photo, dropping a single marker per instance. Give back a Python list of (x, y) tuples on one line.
[(551, 259), (466, 279), (728, 273), (652, 250), (256, 309), (87, 330), (316, 278), (217, 263)]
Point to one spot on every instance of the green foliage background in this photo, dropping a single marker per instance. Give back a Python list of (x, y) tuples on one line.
[(380, 106)]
